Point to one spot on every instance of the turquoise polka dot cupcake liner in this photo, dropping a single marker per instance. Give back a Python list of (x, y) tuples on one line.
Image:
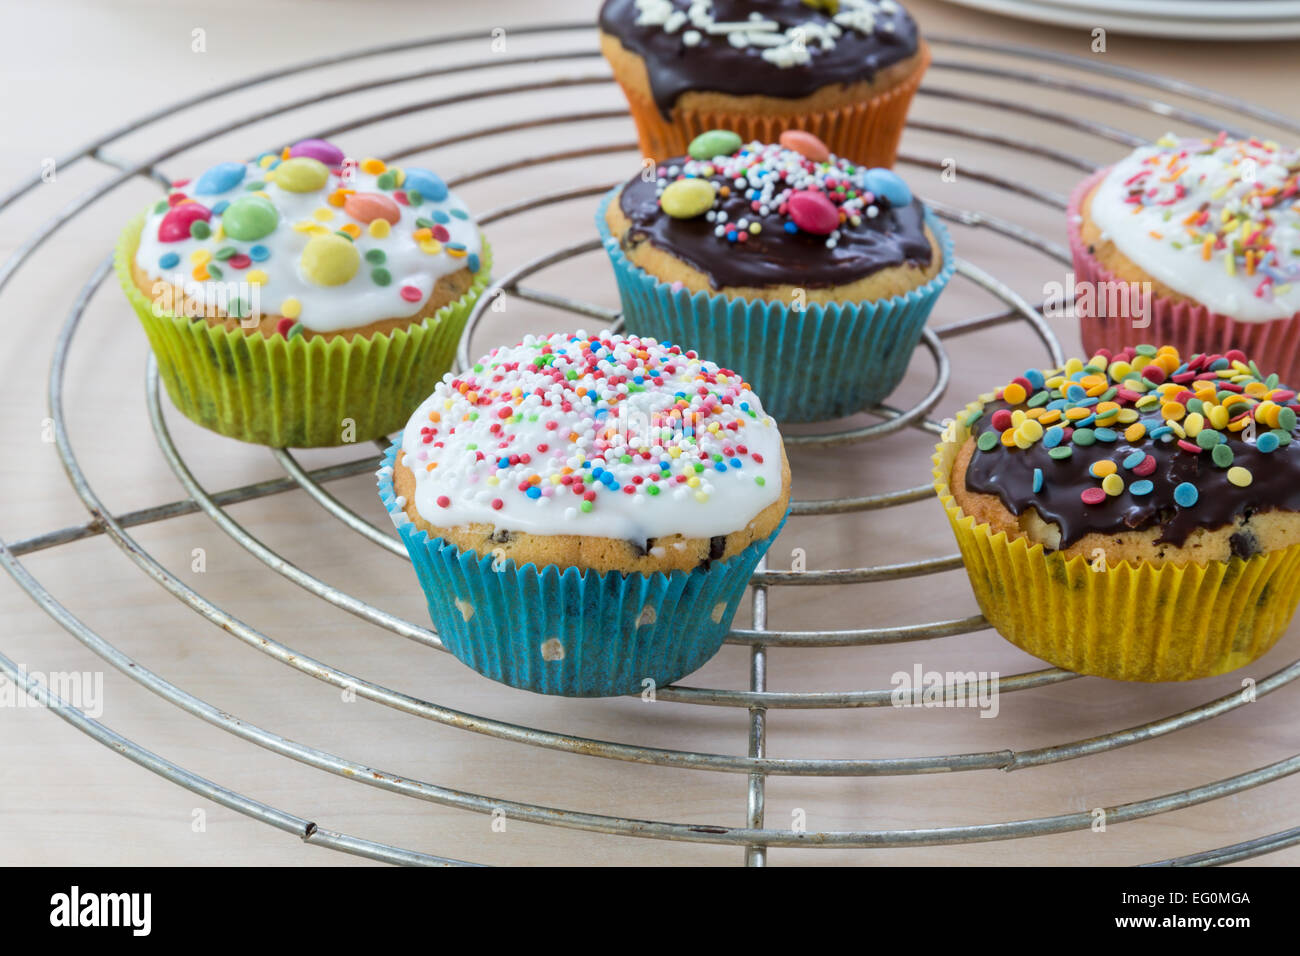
[(822, 362), (570, 632)]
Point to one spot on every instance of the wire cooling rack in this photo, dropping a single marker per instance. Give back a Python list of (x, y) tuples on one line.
[(1018, 65)]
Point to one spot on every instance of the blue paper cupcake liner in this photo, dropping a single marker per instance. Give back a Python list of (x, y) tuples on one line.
[(566, 631), (825, 361)]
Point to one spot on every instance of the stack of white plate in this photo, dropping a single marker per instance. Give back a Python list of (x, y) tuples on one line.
[(1199, 19)]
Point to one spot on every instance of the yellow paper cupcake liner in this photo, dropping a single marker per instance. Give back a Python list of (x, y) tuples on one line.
[(1125, 621), (297, 392)]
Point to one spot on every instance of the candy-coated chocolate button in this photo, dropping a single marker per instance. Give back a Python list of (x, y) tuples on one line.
[(219, 179), (250, 217), (330, 260), (806, 145), (317, 149), (714, 142), (301, 175), (427, 183), (175, 226), (813, 212), (367, 207), (886, 184), (687, 198)]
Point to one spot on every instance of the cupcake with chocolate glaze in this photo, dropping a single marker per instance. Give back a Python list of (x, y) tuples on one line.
[(845, 70), (584, 511), (303, 298), (1136, 516), (1204, 235), (810, 275)]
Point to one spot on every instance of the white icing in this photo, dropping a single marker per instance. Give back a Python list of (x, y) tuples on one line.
[(782, 47), (357, 302), (600, 428), (1220, 175)]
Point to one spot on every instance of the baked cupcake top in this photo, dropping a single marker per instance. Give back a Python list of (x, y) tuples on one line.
[(781, 48), (1215, 220), (1140, 439), (328, 243), (788, 213), (601, 435)]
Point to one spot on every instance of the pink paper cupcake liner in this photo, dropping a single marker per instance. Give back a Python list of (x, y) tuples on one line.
[(1188, 327)]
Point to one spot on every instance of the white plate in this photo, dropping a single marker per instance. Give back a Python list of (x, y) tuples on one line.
[(1191, 10), (1256, 20)]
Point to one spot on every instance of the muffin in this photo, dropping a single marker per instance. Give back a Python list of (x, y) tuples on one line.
[(1136, 517), (845, 70), (584, 511), (303, 298), (811, 276), (1207, 232)]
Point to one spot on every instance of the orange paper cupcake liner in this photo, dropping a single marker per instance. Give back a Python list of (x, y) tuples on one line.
[(1125, 621), (867, 133)]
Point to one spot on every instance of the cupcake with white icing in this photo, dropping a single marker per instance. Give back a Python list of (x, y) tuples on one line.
[(1193, 242), (303, 298), (584, 511)]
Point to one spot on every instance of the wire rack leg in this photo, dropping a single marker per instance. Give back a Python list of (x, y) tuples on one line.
[(756, 855)]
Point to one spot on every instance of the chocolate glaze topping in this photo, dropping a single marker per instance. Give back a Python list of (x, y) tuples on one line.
[(1008, 473), (715, 64), (774, 256)]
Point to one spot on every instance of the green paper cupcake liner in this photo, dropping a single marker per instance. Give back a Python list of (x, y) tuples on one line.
[(297, 392)]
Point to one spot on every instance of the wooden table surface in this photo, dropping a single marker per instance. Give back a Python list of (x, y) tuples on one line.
[(75, 70)]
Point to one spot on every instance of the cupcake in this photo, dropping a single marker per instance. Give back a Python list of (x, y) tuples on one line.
[(809, 275), (1193, 242), (845, 70), (303, 298), (584, 511), (1136, 517)]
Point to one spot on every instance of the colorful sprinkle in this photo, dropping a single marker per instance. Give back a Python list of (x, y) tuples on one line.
[(1173, 410), (1241, 477)]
